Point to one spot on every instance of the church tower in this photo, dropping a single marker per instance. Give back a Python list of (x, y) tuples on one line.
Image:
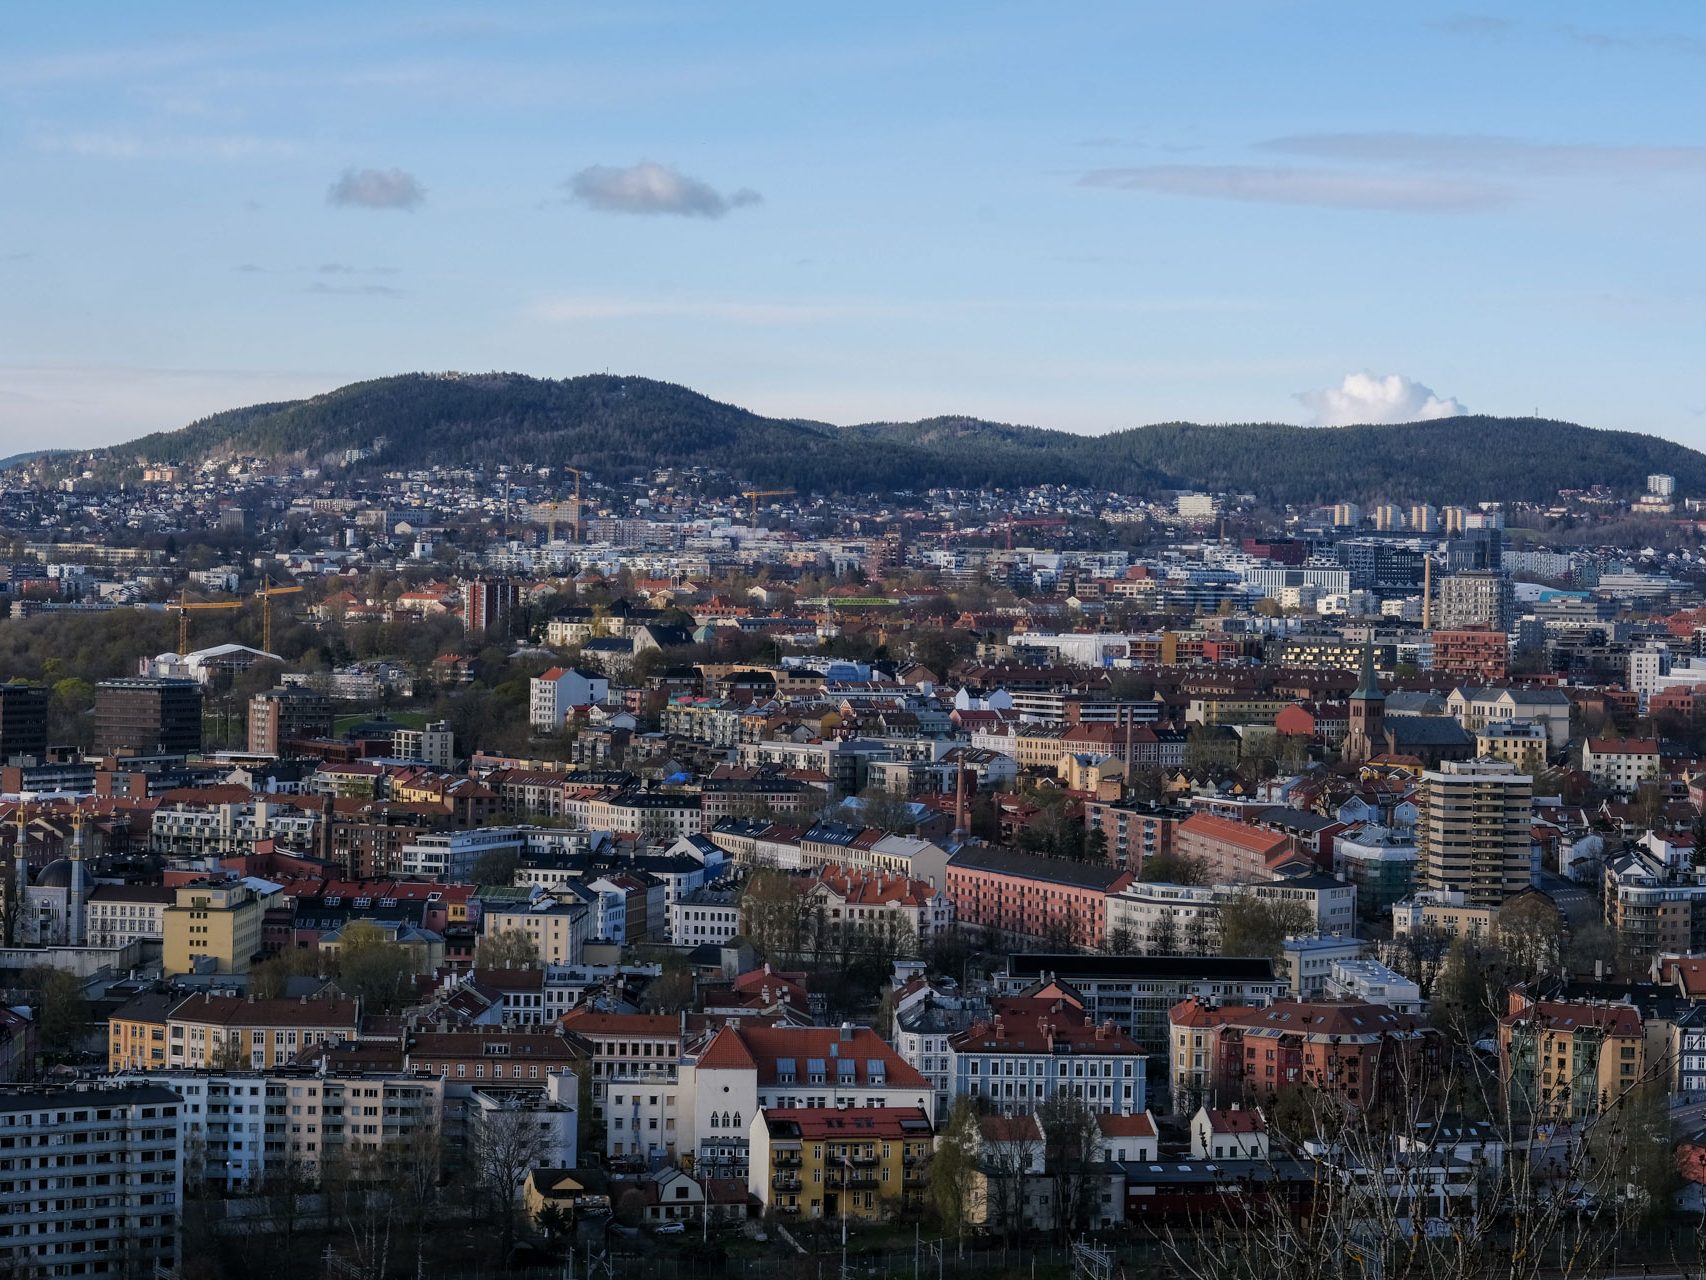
[(1366, 735)]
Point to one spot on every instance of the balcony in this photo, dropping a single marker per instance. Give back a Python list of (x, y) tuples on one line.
[(785, 1182), (787, 1160)]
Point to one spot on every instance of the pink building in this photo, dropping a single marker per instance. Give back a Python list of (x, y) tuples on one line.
[(1025, 897)]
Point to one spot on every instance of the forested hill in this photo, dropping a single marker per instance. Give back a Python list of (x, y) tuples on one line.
[(616, 426)]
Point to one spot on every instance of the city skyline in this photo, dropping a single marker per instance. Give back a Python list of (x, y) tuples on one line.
[(1093, 220)]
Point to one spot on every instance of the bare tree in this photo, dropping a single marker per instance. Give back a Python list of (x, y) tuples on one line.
[(1071, 1153), (506, 1142), (1407, 1190)]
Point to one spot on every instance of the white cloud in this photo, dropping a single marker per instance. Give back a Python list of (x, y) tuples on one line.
[(377, 189), (1368, 397), (1323, 188), (650, 188)]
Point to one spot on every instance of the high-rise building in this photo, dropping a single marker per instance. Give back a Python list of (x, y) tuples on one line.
[(1477, 598), (1346, 515), (1453, 519), (1662, 487), (488, 601), (105, 1202), (1473, 836), (23, 721), (286, 714), (147, 717), (1423, 518), (1388, 517)]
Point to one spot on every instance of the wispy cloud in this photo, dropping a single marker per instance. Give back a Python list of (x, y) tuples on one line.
[(1322, 188), (121, 145), (354, 290), (1368, 397), (1484, 25), (377, 189), (650, 188), (1489, 153), (570, 310)]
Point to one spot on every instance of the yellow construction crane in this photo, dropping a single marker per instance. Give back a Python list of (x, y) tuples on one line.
[(753, 495), (185, 606), (264, 594)]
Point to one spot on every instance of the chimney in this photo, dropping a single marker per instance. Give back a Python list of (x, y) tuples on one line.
[(846, 1031)]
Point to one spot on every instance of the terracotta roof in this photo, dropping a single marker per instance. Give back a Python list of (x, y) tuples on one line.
[(590, 1022), (1141, 1125), (1235, 1121)]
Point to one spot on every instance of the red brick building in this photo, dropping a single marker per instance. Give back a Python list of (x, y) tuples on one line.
[(1357, 1051), (1472, 654), (1025, 897)]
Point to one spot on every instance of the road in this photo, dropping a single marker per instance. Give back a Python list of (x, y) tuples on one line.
[(1578, 905)]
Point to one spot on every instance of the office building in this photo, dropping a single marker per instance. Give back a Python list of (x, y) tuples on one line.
[(147, 717), (1473, 833), (23, 721)]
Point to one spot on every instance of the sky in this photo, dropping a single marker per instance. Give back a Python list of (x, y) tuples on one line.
[(1084, 216)]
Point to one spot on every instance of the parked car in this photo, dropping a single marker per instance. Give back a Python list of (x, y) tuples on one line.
[(670, 1228)]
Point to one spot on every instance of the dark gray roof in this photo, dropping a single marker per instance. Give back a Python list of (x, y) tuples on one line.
[(1014, 862), (1068, 966), (1427, 731)]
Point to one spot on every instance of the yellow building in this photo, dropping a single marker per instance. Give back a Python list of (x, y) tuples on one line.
[(826, 1162), (1522, 743), (1563, 1060), (213, 927), (164, 1032)]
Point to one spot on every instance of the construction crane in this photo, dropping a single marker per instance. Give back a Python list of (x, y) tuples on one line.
[(753, 495), (185, 606), (1037, 522), (264, 593)]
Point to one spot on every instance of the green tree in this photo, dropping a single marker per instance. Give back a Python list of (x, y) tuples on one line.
[(953, 1167), (1252, 926), (1173, 868), (374, 968), (62, 1013), (497, 867), (506, 949)]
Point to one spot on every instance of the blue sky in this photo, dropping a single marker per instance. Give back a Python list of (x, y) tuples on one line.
[(1083, 216)]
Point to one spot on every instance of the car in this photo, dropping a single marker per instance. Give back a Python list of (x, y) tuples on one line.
[(670, 1228)]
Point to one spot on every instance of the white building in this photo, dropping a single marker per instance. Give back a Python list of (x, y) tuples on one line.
[(558, 691), (1369, 980), (120, 1215)]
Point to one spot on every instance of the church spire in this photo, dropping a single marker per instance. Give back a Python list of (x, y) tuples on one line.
[(1368, 688)]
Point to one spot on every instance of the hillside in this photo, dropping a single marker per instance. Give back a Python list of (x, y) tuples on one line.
[(617, 427)]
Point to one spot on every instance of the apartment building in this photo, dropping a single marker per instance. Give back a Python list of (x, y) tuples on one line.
[(1024, 897), (111, 1207), (1030, 1050), (240, 1127), (1566, 1060), (212, 926), (1621, 764), (857, 1163), (1473, 833), (1359, 1052), (164, 1031), (116, 915)]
